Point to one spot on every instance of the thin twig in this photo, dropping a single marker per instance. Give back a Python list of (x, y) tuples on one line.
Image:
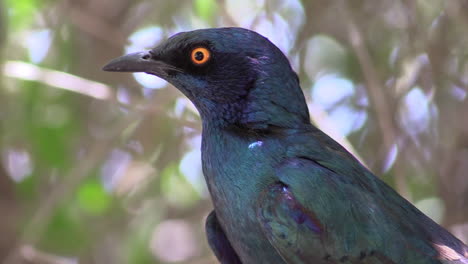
[(27, 71), (375, 89)]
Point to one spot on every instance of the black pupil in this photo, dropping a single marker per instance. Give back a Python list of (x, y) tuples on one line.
[(199, 56)]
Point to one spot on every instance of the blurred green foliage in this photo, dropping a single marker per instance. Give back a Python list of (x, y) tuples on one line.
[(95, 169), (206, 9), (21, 13), (92, 198)]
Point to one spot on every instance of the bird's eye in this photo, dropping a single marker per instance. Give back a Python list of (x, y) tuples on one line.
[(200, 55)]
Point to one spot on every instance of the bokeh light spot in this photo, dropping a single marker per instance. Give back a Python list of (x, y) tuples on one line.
[(173, 241)]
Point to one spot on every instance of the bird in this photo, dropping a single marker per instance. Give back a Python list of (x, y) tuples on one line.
[(282, 190)]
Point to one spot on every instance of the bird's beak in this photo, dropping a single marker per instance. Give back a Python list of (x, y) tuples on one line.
[(138, 62)]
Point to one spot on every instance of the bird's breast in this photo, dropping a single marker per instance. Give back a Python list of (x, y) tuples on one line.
[(237, 170)]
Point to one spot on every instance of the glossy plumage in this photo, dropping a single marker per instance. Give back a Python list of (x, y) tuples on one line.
[(283, 191)]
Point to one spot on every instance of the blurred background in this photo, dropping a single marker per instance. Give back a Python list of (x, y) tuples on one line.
[(100, 167)]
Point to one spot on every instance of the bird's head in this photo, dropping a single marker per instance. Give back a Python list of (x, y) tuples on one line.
[(233, 76)]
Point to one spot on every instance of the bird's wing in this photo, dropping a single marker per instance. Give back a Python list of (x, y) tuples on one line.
[(218, 241), (314, 215)]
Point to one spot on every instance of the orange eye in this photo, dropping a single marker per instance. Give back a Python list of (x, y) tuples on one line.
[(200, 55)]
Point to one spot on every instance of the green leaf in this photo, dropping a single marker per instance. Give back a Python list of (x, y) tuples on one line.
[(206, 9), (65, 234), (92, 197), (21, 12)]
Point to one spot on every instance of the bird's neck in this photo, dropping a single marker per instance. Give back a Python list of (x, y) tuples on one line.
[(273, 102)]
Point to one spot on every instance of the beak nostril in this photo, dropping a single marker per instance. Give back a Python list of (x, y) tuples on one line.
[(146, 57)]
